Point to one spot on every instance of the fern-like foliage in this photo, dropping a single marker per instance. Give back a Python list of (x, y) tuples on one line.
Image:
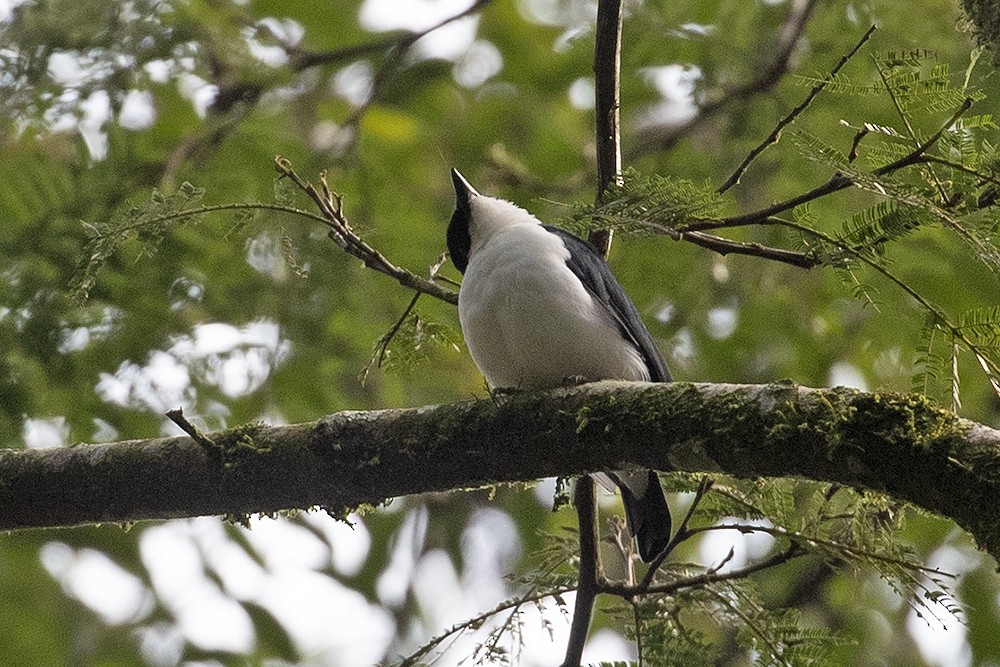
[(734, 610), (148, 222), (977, 333), (874, 228), (692, 613), (918, 82), (410, 344), (407, 344), (650, 205), (916, 78), (983, 325), (498, 631), (918, 85), (949, 178)]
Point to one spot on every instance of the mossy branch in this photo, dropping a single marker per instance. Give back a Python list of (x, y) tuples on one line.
[(898, 444)]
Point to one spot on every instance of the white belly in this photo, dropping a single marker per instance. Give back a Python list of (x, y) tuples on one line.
[(529, 322)]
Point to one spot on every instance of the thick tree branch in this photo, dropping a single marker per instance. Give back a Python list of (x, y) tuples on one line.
[(894, 443)]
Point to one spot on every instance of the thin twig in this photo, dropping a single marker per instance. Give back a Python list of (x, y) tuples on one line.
[(764, 637), (637, 620), (215, 208), (331, 208), (238, 97), (725, 246), (990, 367), (836, 183), (177, 416), (906, 123), (715, 569), (382, 346), (790, 35), (476, 621), (957, 166), (802, 538), (793, 114), (394, 59), (707, 577), (302, 59), (682, 534), (917, 155), (623, 541), (856, 144)]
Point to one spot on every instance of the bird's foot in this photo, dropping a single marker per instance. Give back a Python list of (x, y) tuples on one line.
[(505, 391), (497, 394), (574, 380)]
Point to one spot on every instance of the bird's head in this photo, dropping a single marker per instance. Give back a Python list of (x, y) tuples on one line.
[(477, 218)]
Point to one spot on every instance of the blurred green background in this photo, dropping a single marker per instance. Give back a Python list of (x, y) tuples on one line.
[(237, 319)]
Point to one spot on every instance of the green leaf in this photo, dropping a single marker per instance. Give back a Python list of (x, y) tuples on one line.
[(650, 205)]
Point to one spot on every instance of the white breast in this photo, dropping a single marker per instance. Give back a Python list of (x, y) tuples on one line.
[(529, 322)]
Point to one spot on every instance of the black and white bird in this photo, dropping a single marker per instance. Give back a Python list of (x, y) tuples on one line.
[(539, 306)]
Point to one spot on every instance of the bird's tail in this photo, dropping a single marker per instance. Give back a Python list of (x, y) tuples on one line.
[(646, 510)]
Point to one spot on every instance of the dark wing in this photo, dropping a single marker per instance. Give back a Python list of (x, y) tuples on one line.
[(587, 265)]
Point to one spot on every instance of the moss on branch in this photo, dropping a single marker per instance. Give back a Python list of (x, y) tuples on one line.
[(899, 444)]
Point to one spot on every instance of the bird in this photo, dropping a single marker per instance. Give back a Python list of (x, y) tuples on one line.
[(540, 308)]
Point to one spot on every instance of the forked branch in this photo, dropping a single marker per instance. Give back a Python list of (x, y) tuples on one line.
[(331, 206)]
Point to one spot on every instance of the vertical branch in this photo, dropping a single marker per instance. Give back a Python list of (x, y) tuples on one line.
[(585, 501), (607, 105), (607, 69)]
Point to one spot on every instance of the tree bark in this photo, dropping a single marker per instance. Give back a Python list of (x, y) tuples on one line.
[(898, 444)]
